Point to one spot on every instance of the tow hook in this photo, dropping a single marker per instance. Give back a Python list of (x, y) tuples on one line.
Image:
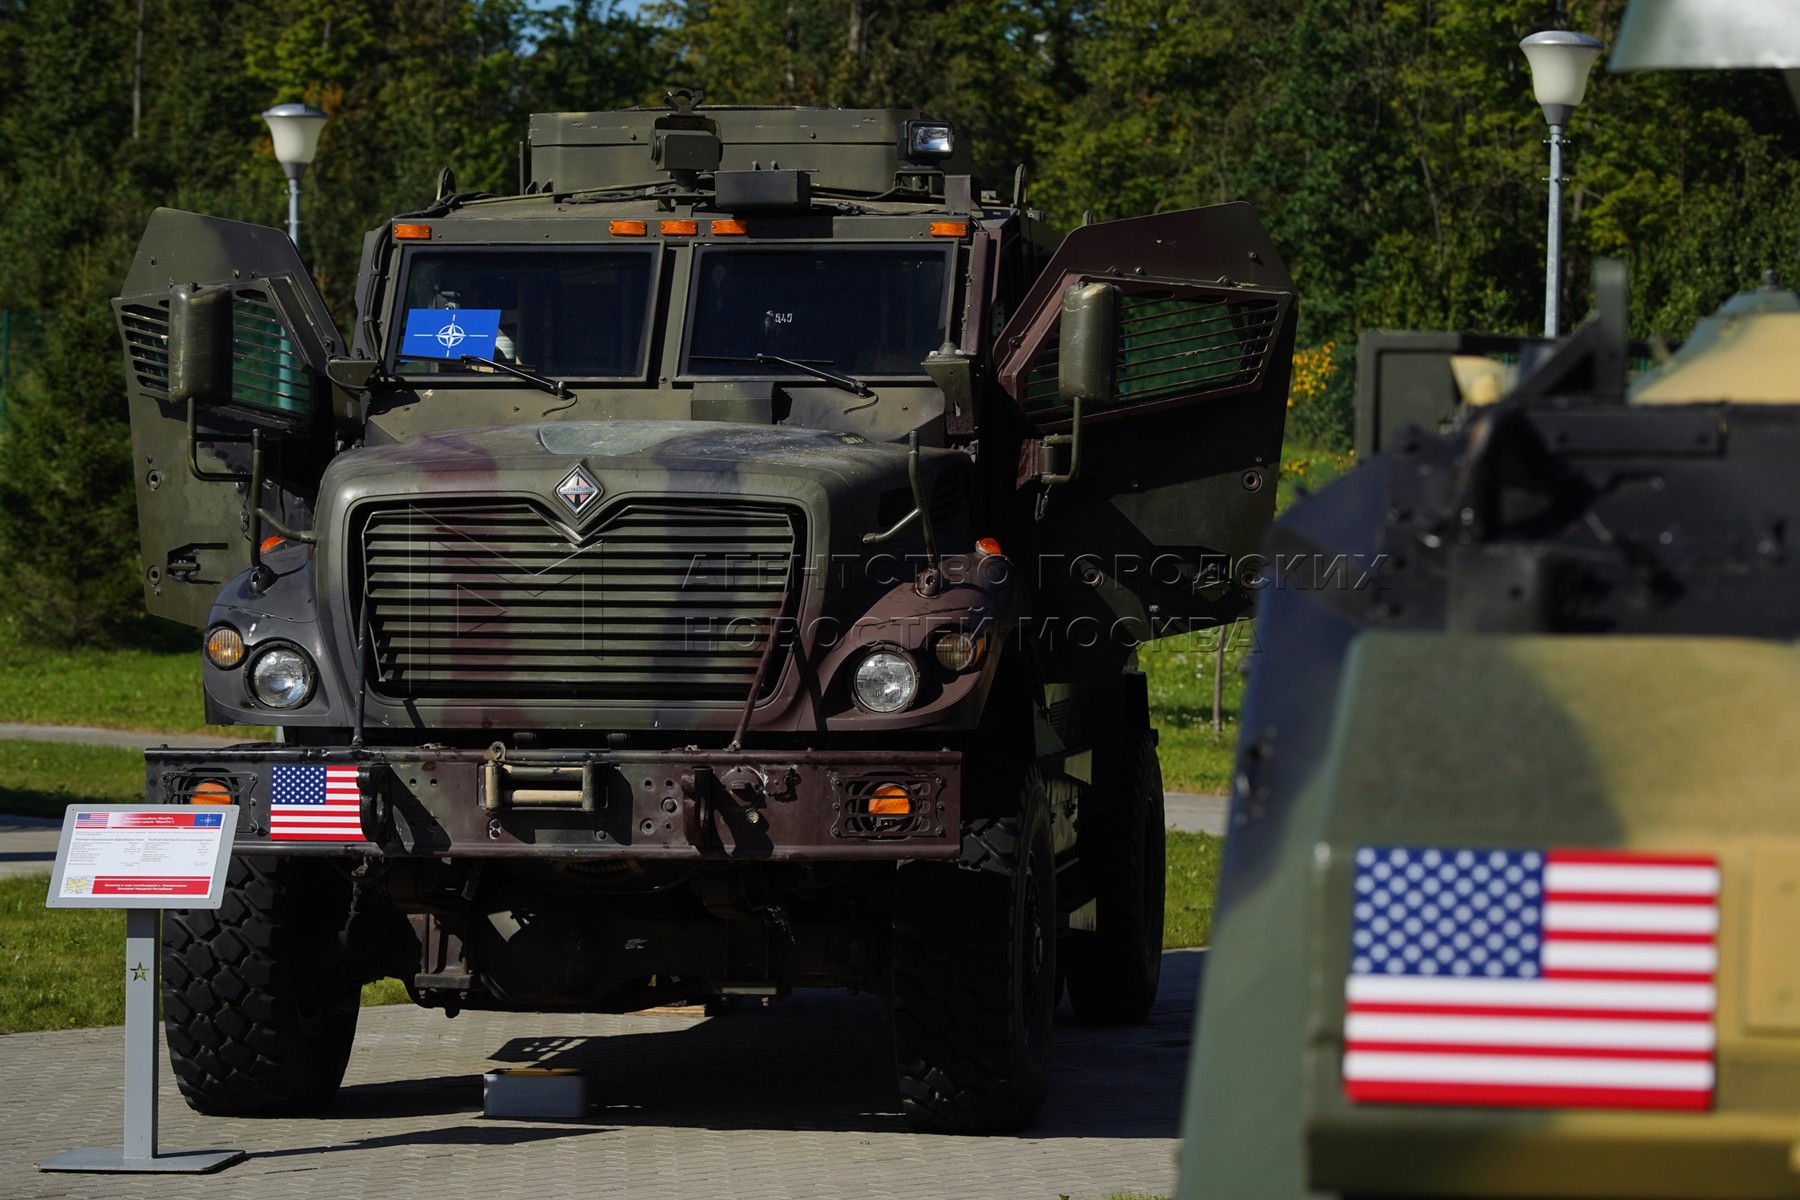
[(696, 806), (374, 807), (747, 786)]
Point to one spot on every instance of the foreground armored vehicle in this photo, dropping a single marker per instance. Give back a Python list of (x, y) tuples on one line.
[(1513, 872), (712, 571)]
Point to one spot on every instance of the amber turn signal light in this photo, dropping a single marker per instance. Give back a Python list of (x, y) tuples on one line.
[(680, 228), (949, 228), (412, 232), (224, 647), (629, 228), (729, 229), (890, 800), (209, 791), (958, 651)]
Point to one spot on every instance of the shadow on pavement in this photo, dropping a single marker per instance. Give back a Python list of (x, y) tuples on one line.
[(432, 1097), (461, 1135), (822, 1061)]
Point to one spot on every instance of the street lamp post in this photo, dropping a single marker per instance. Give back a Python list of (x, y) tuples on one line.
[(295, 128), (1560, 62)]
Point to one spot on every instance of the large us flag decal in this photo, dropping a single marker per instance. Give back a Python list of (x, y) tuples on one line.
[(1556, 978)]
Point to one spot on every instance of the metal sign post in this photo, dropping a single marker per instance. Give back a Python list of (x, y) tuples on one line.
[(142, 858)]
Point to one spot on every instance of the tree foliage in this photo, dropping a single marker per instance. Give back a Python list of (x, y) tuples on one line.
[(1392, 147)]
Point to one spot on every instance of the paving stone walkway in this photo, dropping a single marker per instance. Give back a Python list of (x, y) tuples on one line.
[(795, 1100)]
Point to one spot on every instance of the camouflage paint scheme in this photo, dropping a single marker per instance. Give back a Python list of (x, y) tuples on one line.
[(716, 774), (1583, 634)]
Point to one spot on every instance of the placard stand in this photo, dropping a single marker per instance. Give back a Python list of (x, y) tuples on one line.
[(142, 1041)]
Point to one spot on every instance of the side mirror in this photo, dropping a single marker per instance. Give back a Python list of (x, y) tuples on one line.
[(1088, 341), (1089, 344), (200, 345)]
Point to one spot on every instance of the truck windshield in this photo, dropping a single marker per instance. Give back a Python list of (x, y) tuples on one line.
[(866, 311), (575, 313)]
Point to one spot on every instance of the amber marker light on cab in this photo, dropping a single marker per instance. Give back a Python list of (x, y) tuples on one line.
[(680, 228), (209, 791), (729, 229), (224, 647), (890, 800), (958, 651), (629, 228), (411, 232), (949, 228)]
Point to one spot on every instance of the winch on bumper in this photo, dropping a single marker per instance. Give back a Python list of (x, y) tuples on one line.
[(543, 803)]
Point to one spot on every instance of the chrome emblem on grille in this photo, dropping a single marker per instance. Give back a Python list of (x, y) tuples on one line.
[(577, 490)]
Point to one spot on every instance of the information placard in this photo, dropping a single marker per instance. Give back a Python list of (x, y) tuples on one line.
[(142, 856)]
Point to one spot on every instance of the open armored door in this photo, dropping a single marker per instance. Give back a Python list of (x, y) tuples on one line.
[(248, 348), (1152, 491)]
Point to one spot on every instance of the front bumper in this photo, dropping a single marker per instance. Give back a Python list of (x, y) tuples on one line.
[(574, 804)]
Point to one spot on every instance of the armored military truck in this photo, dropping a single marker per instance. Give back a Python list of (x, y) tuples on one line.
[(1513, 871), (714, 570)]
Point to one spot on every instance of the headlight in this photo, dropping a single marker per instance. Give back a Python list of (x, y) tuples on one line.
[(224, 647), (282, 677), (886, 681)]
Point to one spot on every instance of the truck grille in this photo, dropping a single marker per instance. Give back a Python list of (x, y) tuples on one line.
[(659, 601)]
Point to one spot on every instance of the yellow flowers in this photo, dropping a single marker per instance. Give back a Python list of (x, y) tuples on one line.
[(1313, 369)]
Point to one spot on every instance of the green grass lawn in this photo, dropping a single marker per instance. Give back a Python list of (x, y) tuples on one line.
[(1180, 672), (115, 689), (59, 968), (1193, 863), (40, 779)]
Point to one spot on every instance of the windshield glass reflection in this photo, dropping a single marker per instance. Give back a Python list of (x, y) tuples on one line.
[(568, 314), (864, 311)]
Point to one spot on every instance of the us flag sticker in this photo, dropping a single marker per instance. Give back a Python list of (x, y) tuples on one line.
[(314, 804), (1532, 978)]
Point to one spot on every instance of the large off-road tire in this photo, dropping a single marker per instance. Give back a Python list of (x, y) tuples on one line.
[(1113, 970), (974, 971), (258, 1025)]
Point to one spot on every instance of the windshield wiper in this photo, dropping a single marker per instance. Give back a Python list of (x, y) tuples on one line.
[(554, 387), (855, 387)]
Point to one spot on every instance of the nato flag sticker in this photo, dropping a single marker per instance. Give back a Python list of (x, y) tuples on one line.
[(450, 332)]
